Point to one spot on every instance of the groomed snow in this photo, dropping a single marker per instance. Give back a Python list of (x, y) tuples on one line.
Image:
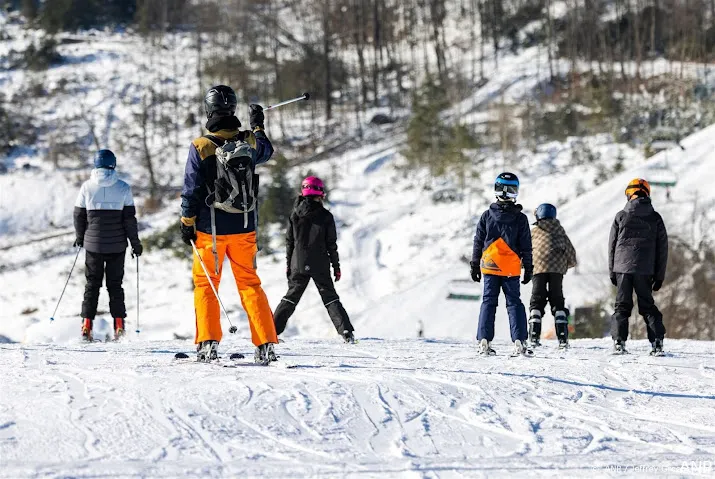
[(400, 408)]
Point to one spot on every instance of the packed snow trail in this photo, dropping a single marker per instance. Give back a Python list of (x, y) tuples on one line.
[(414, 408)]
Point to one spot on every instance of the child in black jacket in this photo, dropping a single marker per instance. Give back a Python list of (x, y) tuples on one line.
[(311, 248)]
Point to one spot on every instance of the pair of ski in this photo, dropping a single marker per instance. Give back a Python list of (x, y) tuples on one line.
[(485, 349), (658, 353), (234, 361)]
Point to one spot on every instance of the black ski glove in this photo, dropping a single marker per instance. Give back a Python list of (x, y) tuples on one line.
[(78, 243), (475, 271), (255, 115), (137, 250), (188, 231), (528, 273), (614, 279), (338, 275), (657, 283)]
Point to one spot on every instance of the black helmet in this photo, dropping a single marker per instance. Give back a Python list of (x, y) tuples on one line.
[(105, 159), (220, 100)]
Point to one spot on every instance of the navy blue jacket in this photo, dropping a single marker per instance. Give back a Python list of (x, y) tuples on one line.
[(200, 175), (503, 221)]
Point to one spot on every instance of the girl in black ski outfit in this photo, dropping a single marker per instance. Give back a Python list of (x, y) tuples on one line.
[(311, 248)]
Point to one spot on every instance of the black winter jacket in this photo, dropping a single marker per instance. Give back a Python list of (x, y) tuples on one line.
[(104, 214), (311, 238), (639, 242)]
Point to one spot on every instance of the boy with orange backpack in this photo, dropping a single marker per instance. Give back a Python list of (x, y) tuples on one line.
[(502, 246)]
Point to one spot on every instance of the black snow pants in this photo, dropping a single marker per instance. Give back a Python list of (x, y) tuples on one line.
[(547, 287), (296, 287), (97, 266), (643, 287)]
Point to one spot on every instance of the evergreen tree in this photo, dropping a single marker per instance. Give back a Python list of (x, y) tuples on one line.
[(431, 142), (278, 202)]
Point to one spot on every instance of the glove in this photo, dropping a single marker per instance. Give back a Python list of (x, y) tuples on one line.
[(137, 250), (288, 273), (614, 279), (475, 271), (188, 230), (528, 273), (657, 283), (255, 115), (338, 275), (78, 243)]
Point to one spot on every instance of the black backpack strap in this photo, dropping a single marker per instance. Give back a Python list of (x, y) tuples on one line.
[(215, 140)]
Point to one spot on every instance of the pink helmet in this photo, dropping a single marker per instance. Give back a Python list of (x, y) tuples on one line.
[(312, 186)]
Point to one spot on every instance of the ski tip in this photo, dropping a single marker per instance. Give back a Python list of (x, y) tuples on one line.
[(181, 356)]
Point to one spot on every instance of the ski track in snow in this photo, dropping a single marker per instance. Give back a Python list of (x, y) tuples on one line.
[(406, 408)]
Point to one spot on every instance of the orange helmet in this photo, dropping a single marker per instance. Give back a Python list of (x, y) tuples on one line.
[(636, 185)]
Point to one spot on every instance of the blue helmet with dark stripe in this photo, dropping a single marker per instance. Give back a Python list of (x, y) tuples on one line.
[(105, 159), (506, 187), (545, 210)]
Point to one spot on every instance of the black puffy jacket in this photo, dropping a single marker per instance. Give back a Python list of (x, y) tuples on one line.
[(311, 238), (639, 242)]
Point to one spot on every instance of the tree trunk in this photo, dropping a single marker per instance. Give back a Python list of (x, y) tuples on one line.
[(326, 61)]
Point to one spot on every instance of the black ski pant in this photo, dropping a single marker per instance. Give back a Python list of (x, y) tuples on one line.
[(296, 287), (547, 287), (643, 287), (97, 266)]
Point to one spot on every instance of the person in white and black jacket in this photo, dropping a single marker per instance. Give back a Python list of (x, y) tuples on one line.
[(311, 249), (104, 219)]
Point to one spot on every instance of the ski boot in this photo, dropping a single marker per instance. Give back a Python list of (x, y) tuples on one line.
[(535, 328), (657, 346), (520, 349), (260, 356), (207, 351), (87, 330), (118, 328), (271, 353), (619, 347), (562, 329), (485, 348), (349, 337)]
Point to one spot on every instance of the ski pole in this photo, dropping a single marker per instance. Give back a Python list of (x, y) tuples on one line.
[(233, 328), (137, 330), (305, 96), (52, 318)]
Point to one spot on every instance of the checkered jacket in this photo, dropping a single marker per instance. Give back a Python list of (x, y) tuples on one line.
[(553, 251)]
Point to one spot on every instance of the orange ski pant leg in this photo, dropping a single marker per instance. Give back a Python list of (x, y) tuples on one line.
[(206, 306), (241, 251)]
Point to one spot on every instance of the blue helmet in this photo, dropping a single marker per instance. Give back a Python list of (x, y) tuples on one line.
[(506, 187), (545, 210), (105, 159)]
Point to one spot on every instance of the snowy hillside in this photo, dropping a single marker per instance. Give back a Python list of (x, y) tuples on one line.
[(382, 408)]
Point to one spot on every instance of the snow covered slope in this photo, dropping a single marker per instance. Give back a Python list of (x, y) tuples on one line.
[(407, 408)]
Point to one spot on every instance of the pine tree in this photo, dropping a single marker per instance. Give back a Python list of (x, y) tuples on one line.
[(278, 202)]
